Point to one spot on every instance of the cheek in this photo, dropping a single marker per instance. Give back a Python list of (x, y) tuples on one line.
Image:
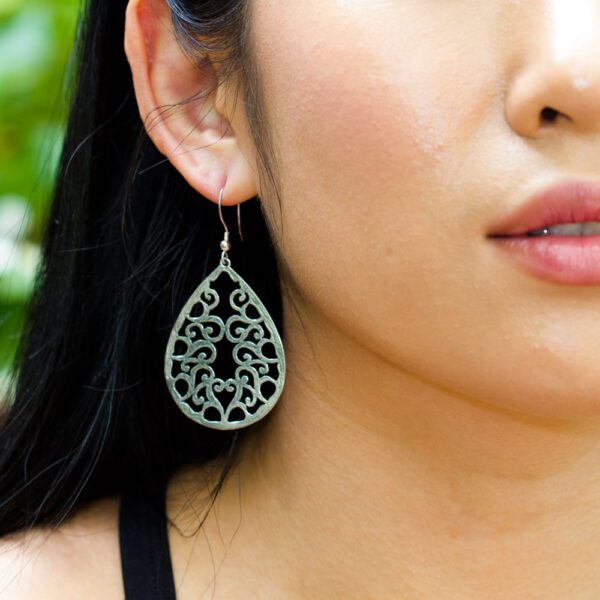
[(370, 116), (361, 89), (346, 121), (349, 132)]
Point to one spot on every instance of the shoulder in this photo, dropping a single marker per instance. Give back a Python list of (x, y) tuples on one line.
[(78, 559)]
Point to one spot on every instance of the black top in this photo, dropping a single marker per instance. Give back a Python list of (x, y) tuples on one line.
[(145, 555)]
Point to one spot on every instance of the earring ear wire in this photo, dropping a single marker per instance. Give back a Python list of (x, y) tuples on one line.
[(238, 216)]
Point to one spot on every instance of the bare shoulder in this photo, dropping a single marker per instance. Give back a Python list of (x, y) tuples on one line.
[(79, 559)]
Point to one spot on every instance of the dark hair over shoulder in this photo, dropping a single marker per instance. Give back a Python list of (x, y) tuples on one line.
[(127, 241)]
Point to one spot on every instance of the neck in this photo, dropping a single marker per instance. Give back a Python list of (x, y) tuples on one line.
[(379, 484)]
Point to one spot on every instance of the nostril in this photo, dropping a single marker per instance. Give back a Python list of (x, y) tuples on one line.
[(549, 115)]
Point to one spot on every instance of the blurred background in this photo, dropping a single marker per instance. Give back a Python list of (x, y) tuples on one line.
[(36, 39)]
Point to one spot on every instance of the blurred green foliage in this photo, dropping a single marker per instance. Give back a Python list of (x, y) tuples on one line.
[(36, 39)]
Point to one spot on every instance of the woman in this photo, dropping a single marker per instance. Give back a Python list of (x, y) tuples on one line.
[(412, 179)]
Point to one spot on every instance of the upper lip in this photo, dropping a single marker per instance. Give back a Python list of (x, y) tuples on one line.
[(570, 201)]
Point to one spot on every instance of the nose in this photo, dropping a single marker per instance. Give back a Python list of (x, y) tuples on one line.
[(558, 83)]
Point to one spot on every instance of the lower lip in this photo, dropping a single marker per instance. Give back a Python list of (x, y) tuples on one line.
[(573, 260)]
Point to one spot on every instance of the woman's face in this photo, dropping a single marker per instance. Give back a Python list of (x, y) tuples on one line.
[(405, 129)]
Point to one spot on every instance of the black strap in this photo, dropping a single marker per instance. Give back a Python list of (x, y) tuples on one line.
[(144, 543)]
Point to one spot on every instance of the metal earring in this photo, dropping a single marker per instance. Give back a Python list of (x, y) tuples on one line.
[(242, 343)]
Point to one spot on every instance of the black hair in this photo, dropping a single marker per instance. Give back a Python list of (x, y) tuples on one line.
[(126, 242)]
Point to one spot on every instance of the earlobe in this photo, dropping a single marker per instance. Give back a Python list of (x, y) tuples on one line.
[(177, 103)]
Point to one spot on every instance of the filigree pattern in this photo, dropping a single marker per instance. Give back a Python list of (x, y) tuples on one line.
[(224, 363)]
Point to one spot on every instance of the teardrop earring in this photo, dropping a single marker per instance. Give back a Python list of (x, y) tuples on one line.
[(252, 372)]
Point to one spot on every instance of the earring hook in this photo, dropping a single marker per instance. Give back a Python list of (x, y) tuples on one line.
[(238, 215)]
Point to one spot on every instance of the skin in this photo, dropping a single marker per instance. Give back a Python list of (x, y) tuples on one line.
[(439, 431)]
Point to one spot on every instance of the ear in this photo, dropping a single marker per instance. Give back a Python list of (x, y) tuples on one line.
[(206, 140)]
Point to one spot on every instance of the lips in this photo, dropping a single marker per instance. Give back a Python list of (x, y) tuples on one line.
[(572, 201)]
